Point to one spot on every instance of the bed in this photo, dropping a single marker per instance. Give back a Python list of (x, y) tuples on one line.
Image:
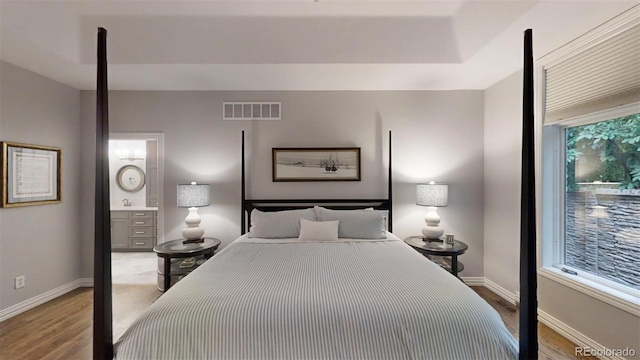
[(314, 297)]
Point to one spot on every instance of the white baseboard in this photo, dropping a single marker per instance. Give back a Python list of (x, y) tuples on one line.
[(21, 307), (473, 281), (502, 292), (558, 326), (572, 334)]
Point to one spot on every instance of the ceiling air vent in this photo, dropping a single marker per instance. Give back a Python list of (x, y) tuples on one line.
[(251, 110)]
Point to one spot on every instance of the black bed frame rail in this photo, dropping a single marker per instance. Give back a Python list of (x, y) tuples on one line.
[(102, 302), (528, 251)]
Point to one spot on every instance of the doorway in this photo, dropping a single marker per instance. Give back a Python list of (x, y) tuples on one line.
[(136, 203)]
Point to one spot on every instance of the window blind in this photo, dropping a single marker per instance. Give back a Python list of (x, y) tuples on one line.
[(601, 77)]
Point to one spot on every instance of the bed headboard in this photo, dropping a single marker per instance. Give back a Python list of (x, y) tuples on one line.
[(290, 204)]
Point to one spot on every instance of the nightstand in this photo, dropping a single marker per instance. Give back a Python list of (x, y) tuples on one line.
[(429, 247), (180, 258)]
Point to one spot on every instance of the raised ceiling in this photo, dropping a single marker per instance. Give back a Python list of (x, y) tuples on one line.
[(290, 45)]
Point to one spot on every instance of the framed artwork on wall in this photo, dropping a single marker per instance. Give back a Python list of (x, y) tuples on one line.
[(316, 164), (31, 174)]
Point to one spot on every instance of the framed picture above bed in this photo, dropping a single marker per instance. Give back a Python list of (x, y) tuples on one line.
[(316, 164), (31, 174)]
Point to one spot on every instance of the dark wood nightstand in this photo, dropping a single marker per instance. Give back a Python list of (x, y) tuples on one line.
[(180, 258), (429, 247)]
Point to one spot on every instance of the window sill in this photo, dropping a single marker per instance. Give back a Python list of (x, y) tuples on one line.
[(622, 301)]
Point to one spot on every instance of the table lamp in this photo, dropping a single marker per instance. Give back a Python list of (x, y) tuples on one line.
[(432, 196), (193, 196)]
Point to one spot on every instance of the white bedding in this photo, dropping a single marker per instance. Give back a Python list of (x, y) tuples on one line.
[(346, 299)]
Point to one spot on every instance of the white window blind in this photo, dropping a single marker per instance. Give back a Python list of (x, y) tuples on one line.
[(600, 77)]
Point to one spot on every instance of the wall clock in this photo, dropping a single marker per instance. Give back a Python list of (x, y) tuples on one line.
[(130, 178)]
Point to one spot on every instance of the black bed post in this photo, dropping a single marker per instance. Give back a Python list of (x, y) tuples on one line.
[(390, 189), (242, 192), (102, 312), (528, 281)]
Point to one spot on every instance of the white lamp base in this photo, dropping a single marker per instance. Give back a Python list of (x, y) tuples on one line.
[(193, 231), (432, 230)]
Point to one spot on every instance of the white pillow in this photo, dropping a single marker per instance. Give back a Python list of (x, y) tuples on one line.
[(318, 230), (356, 224), (278, 224)]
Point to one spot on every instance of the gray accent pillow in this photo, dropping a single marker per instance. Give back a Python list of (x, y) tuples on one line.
[(356, 224), (278, 224)]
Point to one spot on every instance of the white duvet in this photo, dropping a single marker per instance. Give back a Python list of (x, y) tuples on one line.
[(346, 299)]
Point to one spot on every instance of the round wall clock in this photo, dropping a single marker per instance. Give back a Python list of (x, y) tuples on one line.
[(130, 178)]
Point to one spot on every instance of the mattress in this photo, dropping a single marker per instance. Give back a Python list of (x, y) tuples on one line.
[(346, 299)]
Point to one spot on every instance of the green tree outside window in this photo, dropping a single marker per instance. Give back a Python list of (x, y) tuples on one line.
[(615, 143)]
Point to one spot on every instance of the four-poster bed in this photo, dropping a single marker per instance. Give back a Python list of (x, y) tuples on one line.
[(282, 297)]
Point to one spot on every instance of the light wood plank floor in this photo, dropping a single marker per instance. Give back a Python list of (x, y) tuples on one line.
[(61, 328)]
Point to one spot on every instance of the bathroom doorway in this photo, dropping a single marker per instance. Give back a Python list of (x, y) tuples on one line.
[(136, 202)]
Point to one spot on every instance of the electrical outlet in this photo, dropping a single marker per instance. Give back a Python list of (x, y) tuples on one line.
[(19, 281)]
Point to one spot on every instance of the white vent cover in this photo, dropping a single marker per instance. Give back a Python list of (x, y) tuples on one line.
[(251, 110)]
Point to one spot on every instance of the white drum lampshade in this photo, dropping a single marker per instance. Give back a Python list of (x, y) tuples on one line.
[(193, 196), (432, 196)]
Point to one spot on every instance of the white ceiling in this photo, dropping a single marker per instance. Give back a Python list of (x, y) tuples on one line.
[(290, 45)]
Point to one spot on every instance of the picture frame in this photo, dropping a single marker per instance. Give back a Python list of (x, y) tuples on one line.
[(31, 174), (316, 164)]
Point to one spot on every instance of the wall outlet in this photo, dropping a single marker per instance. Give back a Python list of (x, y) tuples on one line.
[(19, 281)]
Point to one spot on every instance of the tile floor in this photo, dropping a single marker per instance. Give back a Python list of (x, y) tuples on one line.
[(134, 267)]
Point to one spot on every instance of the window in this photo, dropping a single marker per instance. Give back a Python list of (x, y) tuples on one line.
[(589, 162), (602, 200)]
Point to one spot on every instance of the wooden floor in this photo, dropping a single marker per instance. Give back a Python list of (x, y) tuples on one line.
[(61, 328)]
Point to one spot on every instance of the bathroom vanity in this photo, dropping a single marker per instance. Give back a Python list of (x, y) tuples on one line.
[(133, 191), (134, 229)]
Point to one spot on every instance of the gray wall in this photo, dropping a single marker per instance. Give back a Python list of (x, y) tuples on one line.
[(436, 136), (606, 324), (502, 166), (41, 242)]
